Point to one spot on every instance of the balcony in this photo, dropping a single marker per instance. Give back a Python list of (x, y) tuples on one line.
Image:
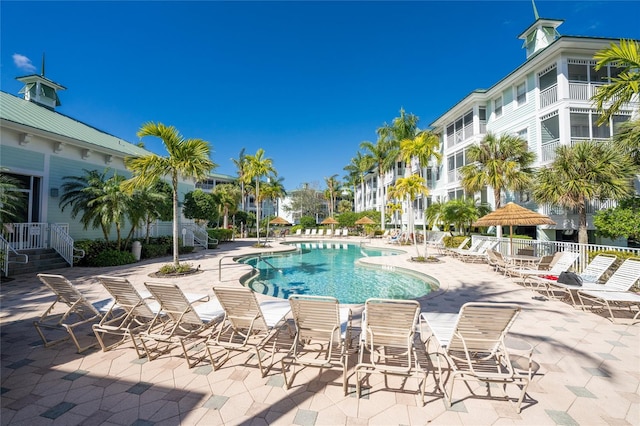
[(582, 91), (549, 96), (549, 150)]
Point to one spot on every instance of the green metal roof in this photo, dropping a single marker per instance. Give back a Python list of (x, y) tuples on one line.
[(30, 114)]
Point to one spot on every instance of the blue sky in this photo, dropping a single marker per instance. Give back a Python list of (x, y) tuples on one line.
[(306, 81)]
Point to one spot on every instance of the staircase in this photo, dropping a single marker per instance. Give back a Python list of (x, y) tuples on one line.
[(39, 260)]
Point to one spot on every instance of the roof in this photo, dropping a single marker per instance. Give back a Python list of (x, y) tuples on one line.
[(30, 114), (560, 41)]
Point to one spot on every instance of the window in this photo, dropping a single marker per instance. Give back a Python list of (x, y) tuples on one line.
[(577, 72), (579, 125), (521, 94), (523, 134), (548, 79), (497, 106)]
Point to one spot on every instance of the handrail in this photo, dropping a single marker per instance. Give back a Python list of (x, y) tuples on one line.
[(5, 249), (200, 234), (62, 243)]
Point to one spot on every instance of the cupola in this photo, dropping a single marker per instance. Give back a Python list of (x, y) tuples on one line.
[(540, 34), (41, 90)]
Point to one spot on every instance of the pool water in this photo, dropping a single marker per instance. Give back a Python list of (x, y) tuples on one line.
[(332, 269)]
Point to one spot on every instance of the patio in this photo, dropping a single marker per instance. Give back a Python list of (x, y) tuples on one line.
[(589, 368)]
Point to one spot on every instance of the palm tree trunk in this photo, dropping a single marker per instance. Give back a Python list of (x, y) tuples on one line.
[(176, 234), (258, 209), (583, 236), (496, 200), (381, 200)]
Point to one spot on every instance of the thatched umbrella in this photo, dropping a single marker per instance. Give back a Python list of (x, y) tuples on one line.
[(364, 220), (329, 221), (513, 215), (279, 221)]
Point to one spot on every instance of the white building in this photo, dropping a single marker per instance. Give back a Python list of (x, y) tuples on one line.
[(546, 101)]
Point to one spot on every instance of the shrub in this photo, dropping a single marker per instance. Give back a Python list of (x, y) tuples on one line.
[(455, 241), (220, 234), (155, 250), (170, 268), (113, 258), (308, 222), (185, 249)]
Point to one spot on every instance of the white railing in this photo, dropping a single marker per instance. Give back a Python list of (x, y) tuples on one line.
[(549, 150), (591, 208), (5, 251), (198, 235), (62, 243), (26, 236), (549, 96), (543, 248)]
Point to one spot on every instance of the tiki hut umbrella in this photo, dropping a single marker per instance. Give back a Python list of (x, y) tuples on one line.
[(279, 221), (329, 221), (364, 220), (513, 215)]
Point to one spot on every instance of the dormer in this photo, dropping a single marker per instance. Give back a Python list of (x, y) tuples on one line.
[(41, 90)]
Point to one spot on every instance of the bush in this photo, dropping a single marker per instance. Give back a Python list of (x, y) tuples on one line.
[(113, 258), (308, 222), (92, 248), (455, 241), (155, 250), (170, 268), (185, 249), (220, 234)]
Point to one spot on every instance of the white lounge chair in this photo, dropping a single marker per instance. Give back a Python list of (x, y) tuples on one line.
[(320, 232), (613, 301), (246, 325), (178, 321), (565, 260), (299, 232), (591, 274), (323, 336), (307, 232), (471, 346), (129, 315), (337, 233), (478, 255), (328, 233), (474, 246), (387, 340), (76, 312)]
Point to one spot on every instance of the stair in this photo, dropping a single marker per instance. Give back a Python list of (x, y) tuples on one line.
[(39, 260)]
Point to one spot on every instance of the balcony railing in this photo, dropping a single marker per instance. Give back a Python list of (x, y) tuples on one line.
[(582, 91), (549, 96), (549, 150)]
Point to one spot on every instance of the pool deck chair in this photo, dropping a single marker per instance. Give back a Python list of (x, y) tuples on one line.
[(388, 341), (246, 325), (323, 336), (471, 346), (620, 281), (76, 311), (129, 315), (453, 251), (179, 321), (613, 301), (566, 259), (479, 255), (590, 276)]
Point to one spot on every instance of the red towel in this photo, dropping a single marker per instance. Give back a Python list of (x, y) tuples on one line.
[(551, 277)]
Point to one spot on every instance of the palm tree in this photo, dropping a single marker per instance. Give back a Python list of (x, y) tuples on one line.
[(78, 192), (622, 88), (188, 158), (112, 205), (435, 215), (241, 165), (582, 173), (502, 162), (228, 195), (628, 139), (410, 187), (11, 199), (273, 190), (149, 205), (331, 192), (394, 208), (257, 166), (383, 155), (423, 146), (359, 167), (463, 213)]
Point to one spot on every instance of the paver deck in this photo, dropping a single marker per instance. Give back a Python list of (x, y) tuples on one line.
[(588, 368)]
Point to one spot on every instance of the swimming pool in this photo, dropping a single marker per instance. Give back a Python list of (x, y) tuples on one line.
[(333, 269)]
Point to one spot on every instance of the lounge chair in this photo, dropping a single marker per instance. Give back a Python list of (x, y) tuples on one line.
[(314, 232), (454, 251), (320, 232), (129, 315), (497, 262), (299, 232), (76, 312), (471, 345), (337, 233), (477, 255), (307, 232), (328, 233), (620, 281), (246, 325), (179, 321), (437, 242), (591, 274), (395, 239), (613, 301), (563, 262), (323, 336), (387, 339)]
